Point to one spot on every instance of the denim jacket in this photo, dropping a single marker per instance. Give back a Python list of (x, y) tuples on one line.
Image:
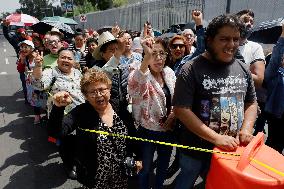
[(274, 79)]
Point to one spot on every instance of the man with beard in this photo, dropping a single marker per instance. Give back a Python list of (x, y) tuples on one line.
[(252, 52), (253, 55), (215, 74)]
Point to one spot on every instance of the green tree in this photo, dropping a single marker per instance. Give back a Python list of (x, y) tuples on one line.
[(104, 4), (85, 8), (118, 3), (36, 8)]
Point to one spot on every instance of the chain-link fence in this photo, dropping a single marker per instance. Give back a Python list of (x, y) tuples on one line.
[(164, 13), (161, 13)]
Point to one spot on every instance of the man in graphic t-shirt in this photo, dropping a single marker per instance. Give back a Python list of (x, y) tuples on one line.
[(214, 99)]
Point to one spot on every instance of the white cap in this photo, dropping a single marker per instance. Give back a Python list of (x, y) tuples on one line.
[(27, 42)]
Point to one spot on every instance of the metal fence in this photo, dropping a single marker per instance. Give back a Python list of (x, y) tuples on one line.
[(161, 13), (164, 13)]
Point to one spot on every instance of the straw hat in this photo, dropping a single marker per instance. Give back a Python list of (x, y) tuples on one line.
[(104, 38)]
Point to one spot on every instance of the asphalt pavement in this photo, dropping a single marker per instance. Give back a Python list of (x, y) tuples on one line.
[(27, 160)]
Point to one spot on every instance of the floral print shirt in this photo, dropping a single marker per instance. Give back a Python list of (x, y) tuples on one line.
[(148, 98)]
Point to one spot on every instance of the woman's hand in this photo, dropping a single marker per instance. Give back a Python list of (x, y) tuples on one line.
[(138, 165), (62, 99), (147, 44), (115, 30), (38, 58)]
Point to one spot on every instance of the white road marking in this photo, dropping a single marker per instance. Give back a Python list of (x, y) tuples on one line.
[(4, 44), (6, 60), (3, 73), (5, 50)]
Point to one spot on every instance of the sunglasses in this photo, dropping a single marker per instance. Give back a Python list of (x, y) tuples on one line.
[(175, 46)]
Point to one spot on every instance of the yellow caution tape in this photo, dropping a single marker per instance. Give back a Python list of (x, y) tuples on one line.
[(267, 167), (159, 142), (181, 146)]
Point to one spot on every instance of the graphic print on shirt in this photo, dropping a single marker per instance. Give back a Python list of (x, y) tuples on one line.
[(223, 112), (230, 84)]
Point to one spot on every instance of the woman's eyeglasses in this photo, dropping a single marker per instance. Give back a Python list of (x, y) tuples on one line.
[(97, 92), (162, 54), (175, 46)]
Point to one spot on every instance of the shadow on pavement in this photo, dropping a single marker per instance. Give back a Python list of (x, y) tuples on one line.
[(15, 104), (36, 164)]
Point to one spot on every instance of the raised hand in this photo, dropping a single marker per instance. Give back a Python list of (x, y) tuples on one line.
[(197, 17), (62, 99), (147, 45), (38, 58), (115, 30)]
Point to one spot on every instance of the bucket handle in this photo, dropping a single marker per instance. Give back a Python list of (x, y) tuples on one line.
[(252, 147)]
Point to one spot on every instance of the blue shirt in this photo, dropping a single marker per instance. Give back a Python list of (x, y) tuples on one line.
[(135, 57), (274, 80)]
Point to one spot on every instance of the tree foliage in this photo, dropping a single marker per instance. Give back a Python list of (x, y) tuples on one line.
[(36, 8), (118, 3), (104, 4), (41, 8), (85, 8)]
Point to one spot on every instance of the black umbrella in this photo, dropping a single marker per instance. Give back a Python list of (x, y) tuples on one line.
[(267, 32), (103, 29), (44, 26)]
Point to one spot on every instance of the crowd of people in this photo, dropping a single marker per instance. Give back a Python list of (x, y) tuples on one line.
[(203, 87)]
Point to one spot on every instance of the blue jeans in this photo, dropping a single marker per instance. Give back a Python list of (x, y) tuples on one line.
[(163, 159), (191, 168)]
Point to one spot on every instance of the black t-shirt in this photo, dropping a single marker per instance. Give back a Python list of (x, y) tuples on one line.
[(216, 93)]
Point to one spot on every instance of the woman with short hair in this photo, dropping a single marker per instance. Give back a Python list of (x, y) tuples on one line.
[(99, 157)]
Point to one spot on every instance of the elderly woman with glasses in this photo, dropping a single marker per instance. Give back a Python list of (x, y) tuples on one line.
[(63, 77), (100, 157), (151, 88)]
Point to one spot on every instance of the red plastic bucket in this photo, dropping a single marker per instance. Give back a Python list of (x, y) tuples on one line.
[(243, 172)]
